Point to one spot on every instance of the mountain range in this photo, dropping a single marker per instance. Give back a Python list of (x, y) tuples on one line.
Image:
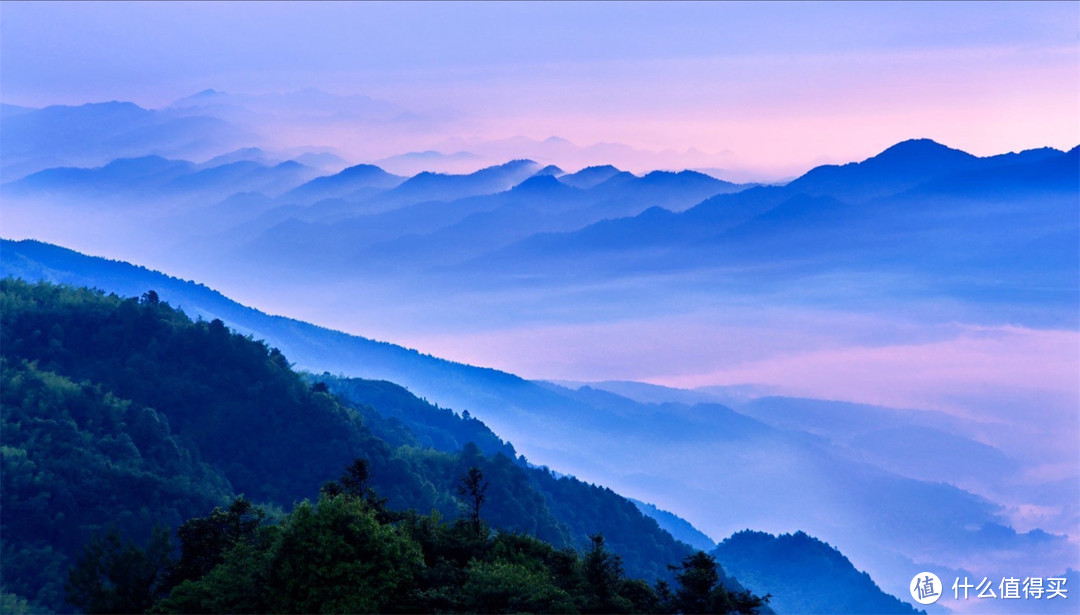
[(967, 228), (921, 237)]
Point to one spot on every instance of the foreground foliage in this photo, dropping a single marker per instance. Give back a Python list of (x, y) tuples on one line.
[(348, 553), (123, 416)]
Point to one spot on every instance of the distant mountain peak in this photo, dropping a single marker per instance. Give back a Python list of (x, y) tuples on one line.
[(590, 176), (345, 181), (600, 168), (518, 163), (249, 151), (685, 174), (149, 158), (551, 170), (898, 168), (541, 184), (362, 170), (144, 164), (916, 142), (112, 105), (920, 148)]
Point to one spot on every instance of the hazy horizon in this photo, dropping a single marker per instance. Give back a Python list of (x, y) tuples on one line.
[(766, 91)]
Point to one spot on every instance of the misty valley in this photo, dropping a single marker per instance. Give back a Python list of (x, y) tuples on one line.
[(258, 379)]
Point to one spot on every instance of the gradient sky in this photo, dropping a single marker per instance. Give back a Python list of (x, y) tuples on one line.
[(777, 86)]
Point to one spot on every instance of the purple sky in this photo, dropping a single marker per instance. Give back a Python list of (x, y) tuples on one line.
[(772, 87)]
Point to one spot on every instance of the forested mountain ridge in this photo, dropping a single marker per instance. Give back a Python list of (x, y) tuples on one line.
[(125, 413), (610, 431), (805, 575)]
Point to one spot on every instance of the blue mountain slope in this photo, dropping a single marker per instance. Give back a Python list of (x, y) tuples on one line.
[(312, 347), (673, 191), (676, 526), (590, 176), (899, 167), (427, 215), (248, 154), (440, 187), (8, 111), (433, 427), (544, 185), (913, 443), (1026, 156), (551, 170), (635, 238), (914, 163), (998, 230), (158, 178), (332, 237), (371, 192), (802, 230), (343, 184), (1047, 170), (436, 233), (922, 452), (244, 177), (122, 174)]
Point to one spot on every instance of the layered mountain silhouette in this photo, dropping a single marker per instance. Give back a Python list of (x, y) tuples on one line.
[(160, 178), (964, 225), (95, 133), (918, 207), (918, 225), (894, 170), (349, 182)]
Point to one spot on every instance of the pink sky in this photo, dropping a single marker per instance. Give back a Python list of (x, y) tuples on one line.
[(774, 87)]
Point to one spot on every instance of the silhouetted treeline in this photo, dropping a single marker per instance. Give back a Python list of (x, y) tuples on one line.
[(347, 553)]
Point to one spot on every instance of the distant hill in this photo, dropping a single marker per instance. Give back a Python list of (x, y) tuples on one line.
[(93, 134), (590, 176), (160, 179), (418, 235), (343, 184), (550, 170), (898, 168), (439, 187), (806, 575), (992, 229), (411, 163), (123, 174)]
